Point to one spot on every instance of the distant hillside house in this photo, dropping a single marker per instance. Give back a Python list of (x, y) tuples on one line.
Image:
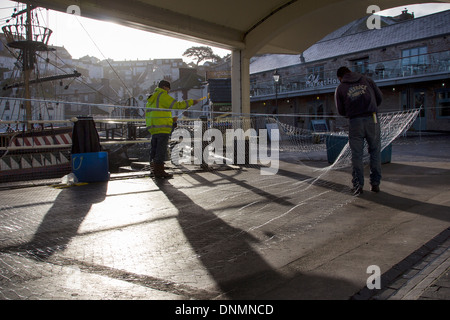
[(188, 86)]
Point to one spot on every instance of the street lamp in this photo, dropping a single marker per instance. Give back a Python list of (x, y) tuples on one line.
[(276, 78)]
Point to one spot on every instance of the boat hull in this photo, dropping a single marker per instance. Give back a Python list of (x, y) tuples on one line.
[(35, 155)]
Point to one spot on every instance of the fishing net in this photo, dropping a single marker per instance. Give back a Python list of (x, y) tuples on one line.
[(392, 125), (256, 139)]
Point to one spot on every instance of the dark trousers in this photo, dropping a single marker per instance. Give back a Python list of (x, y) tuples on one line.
[(158, 150), (360, 130)]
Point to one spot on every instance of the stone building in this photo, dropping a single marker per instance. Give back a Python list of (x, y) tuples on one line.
[(409, 59)]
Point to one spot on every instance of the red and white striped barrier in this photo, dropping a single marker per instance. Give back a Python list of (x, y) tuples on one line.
[(48, 140)]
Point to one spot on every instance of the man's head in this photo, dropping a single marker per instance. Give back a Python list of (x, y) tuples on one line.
[(163, 84), (341, 72)]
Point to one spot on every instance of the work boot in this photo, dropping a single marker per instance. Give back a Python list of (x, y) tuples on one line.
[(160, 173), (152, 169), (356, 191)]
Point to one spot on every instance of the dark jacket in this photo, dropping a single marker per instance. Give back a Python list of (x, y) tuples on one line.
[(357, 96)]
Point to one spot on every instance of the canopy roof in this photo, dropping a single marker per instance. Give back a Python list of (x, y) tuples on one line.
[(254, 26)]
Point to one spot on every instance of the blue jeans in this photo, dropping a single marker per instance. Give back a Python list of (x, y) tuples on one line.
[(158, 150), (361, 129)]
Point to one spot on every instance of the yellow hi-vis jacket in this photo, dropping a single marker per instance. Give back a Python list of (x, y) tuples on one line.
[(161, 121)]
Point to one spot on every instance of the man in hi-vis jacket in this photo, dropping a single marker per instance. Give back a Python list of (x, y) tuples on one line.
[(160, 123)]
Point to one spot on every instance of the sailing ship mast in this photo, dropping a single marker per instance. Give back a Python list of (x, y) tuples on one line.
[(29, 39), (28, 63)]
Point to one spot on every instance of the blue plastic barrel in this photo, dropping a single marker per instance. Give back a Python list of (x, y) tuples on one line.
[(335, 144)]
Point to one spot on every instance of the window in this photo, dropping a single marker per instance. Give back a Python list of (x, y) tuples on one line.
[(414, 56), (443, 103), (315, 76), (419, 101), (414, 100), (360, 65), (317, 71)]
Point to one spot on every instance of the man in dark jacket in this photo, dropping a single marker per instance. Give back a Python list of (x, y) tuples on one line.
[(358, 98)]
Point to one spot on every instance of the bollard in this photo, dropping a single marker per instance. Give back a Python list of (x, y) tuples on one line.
[(205, 155)]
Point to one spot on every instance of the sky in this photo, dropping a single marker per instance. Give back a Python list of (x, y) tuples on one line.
[(105, 40)]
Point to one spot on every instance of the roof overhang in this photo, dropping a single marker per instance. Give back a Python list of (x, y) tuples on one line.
[(254, 26)]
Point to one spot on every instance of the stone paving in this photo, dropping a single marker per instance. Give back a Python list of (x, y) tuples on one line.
[(229, 234)]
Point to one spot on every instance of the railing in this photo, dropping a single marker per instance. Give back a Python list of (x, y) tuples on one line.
[(118, 134), (427, 64)]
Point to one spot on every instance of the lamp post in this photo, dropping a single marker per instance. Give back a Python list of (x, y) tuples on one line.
[(276, 78)]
